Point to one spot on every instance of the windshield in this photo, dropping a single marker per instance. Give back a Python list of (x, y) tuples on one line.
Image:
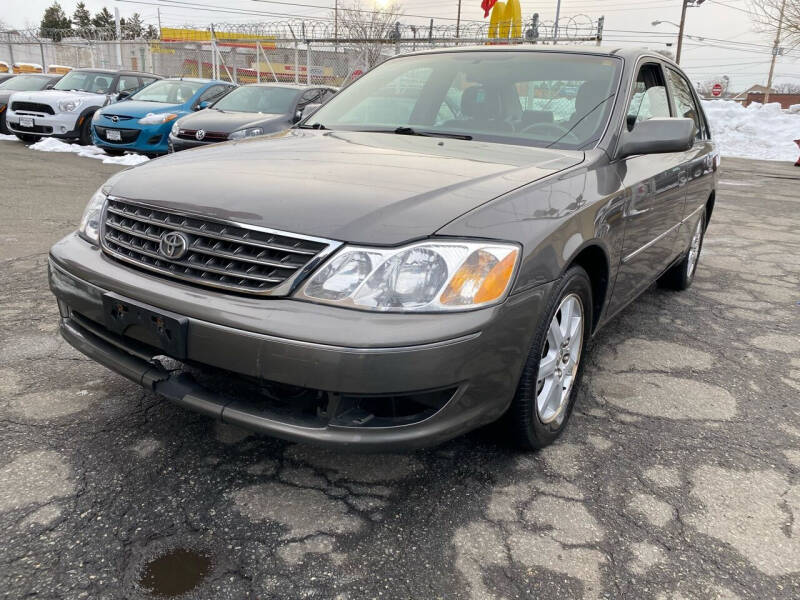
[(171, 91), (86, 81), (547, 99), (25, 83), (257, 99)]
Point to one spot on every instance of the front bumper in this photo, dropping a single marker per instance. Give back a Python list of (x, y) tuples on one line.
[(151, 139), (477, 355), (60, 125)]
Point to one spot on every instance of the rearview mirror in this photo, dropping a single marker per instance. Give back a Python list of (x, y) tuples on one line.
[(308, 110), (657, 136)]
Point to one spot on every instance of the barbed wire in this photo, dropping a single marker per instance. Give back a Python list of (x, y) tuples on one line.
[(574, 28)]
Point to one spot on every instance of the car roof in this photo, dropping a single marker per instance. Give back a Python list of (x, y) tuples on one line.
[(626, 53), (294, 86), (198, 80), (118, 71)]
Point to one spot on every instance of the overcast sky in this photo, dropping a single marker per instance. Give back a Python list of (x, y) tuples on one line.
[(626, 23)]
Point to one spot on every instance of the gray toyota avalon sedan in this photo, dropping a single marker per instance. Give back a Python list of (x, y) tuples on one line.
[(427, 253)]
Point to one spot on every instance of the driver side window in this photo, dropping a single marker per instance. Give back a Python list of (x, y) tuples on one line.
[(649, 96)]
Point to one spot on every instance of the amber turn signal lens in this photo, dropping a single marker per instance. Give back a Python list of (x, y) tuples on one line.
[(481, 279), (497, 280)]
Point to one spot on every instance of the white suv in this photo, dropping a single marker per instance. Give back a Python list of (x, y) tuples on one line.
[(66, 110)]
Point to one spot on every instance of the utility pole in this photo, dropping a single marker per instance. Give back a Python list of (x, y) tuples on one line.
[(158, 11), (775, 49), (458, 18), (680, 31), (555, 25), (686, 4), (336, 25)]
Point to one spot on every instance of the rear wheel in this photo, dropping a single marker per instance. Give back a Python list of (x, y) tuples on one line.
[(549, 383), (680, 276), (28, 138)]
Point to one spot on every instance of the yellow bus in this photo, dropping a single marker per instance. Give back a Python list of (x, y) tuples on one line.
[(27, 68), (58, 69), (4, 67)]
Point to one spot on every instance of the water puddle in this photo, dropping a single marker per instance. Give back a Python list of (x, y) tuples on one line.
[(175, 572)]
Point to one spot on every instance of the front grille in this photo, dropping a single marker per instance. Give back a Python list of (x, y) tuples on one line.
[(33, 107), (33, 129), (210, 136), (118, 117), (128, 136), (219, 254)]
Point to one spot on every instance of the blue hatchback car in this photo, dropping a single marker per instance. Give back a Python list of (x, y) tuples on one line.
[(142, 122)]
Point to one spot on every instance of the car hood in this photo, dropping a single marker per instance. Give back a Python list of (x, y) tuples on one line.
[(133, 108), (369, 188), (227, 122), (52, 97)]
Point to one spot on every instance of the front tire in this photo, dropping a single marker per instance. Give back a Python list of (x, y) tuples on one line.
[(85, 135), (681, 275), (550, 379), (3, 127)]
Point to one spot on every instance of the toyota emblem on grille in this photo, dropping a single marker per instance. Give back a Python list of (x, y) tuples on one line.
[(115, 119), (200, 134), (173, 245)]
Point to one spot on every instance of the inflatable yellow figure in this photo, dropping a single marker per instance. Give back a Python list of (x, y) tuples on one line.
[(506, 20)]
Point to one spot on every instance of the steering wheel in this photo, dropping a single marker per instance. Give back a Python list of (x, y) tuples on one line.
[(552, 128)]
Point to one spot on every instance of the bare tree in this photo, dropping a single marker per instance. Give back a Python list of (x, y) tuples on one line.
[(767, 18), (376, 27)]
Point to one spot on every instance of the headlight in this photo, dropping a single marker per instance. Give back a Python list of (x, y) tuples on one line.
[(69, 105), (157, 119), (96, 116), (433, 276), (243, 133), (90, 222), (176, 129)]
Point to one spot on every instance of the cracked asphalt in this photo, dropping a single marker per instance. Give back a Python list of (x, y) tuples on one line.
[(678, 477)]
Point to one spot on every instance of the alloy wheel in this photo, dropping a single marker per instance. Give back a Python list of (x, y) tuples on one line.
[(694, 249), (560, 359)]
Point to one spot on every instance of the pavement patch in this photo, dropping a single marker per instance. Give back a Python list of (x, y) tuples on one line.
[(34, 478)]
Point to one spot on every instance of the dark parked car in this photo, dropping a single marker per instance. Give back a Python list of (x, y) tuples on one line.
[(30, 82), (396, 280), (6, 76), (248, 111)]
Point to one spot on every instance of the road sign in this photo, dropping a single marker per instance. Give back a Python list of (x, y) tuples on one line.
[(716, 91)]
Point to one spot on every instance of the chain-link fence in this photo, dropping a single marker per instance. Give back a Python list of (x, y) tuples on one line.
[(304, 52)]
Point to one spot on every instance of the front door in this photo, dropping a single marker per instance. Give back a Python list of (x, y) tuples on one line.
[(655, 187)]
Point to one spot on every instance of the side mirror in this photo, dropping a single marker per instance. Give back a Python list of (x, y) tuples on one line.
[(657, 136), (307, 111), (123, 96), (203, 105)]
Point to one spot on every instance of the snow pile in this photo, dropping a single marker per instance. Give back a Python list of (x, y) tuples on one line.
[(55, 145), (8, 138), (762, 131)]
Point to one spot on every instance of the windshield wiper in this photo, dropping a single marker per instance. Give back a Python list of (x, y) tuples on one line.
[(313, 126), (412, 131)]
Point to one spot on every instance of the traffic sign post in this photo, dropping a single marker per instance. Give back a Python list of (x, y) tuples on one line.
[(716, 91)]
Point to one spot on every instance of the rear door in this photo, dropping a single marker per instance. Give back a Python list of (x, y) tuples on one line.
[(655, 189), (698, 160)]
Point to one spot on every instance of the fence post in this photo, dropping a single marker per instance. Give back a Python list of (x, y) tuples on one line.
[(44, 61), (600, 23), (296, 63), (214, 66), (119, 39), (258, 61), (308, 62), (10, 48)]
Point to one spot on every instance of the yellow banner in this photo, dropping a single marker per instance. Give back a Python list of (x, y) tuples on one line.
[(226, 38)]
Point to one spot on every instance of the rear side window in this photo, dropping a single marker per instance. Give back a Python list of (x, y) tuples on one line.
[(127, 83), (212, 93), (684, 101), (649, 99)]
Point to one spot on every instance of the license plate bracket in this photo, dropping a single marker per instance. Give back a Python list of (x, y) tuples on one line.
[(26, 122), (113, 135), (165, 330)]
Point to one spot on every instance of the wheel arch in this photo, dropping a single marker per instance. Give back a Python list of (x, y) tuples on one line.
[(710, 206), (593, 258)]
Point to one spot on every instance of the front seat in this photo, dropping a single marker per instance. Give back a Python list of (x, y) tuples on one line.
[(482, 108), (590, 94)]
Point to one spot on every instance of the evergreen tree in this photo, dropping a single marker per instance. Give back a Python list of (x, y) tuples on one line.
[(104, 20), (81, 18), (133, 28), (152, 33), (55, 22)]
